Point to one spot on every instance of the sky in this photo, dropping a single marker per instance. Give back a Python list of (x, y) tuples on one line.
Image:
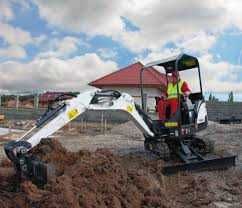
[(63, 45)]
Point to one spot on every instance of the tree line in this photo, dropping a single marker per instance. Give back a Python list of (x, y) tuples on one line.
[(212, 98)]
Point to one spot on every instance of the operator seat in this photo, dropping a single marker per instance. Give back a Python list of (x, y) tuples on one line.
[(187, 111)]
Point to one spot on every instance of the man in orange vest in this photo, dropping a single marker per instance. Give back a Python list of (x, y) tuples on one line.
[(171, 100)]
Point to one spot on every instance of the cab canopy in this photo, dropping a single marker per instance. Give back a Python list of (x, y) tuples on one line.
[(179, 62)]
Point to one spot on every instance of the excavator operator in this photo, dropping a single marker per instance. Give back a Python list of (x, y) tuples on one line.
[(170, 103)]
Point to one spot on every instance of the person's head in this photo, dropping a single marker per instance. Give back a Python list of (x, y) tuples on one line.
[(175, 76)]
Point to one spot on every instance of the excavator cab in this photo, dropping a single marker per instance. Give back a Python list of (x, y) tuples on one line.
[(191, 114)]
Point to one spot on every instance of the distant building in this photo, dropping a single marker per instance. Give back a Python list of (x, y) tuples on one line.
[(128, 80), (49, 96)]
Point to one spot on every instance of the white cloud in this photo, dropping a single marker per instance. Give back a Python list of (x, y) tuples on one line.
[(54, 73), (220, 76), (67, 45), (40, 39), (107, 53), (199, 42), (92, 17), (159, 21), (13, 51), (233, 8), (5, 10), (60, 47), (14, 35)]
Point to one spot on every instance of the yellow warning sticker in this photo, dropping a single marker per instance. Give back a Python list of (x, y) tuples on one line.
[(171, 124), (72, 113), (130, 108)]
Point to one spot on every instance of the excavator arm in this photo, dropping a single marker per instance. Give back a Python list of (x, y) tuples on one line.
[(58, 116)]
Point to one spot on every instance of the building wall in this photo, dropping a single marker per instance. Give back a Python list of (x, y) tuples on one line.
[(135, 92)]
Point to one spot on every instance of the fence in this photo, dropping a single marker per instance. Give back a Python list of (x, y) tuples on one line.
[(217, 111), (89, 116)]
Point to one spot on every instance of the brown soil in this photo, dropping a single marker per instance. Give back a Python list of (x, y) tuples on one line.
[(102, 179)]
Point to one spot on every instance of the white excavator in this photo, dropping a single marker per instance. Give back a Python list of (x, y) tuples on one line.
[(174, 136)]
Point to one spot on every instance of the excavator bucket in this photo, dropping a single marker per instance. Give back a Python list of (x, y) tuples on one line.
[(38, 171), (27, 165), (217, 163)]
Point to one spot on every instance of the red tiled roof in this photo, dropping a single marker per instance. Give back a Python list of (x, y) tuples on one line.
[(130, 76)]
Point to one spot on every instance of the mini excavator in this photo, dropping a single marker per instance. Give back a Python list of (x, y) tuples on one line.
[(174, 136)]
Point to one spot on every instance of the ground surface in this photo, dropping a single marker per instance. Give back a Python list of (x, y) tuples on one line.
[(123, 174), (227, 138)]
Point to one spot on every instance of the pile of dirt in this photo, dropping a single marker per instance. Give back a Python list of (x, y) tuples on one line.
[(84, 179), (102, 179)]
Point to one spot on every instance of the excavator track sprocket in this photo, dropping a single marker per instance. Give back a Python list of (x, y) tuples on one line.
[(203, 145), (159, 148)]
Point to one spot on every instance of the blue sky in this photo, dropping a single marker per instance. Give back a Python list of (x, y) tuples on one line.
[(55, 45)]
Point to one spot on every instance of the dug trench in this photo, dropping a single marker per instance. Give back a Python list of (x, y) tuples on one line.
[(104, 179)]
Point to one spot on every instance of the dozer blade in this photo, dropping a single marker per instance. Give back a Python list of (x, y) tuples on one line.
[(202, 165)]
